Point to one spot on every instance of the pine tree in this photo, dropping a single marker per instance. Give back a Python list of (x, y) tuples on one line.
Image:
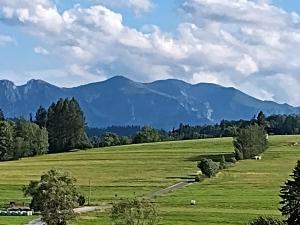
[(290, 194), (6, 140), (261, 119), (66, 126), (41, 117), (2, 118)]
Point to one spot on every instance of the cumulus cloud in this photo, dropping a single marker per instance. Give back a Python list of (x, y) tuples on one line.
[(248, 44)]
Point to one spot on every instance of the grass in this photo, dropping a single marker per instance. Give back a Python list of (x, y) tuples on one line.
[(249, 189), (14, 220), (123, 171)]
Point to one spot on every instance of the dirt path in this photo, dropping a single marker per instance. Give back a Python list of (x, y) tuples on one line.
[(77, 210), (158, 193), (172, 188)]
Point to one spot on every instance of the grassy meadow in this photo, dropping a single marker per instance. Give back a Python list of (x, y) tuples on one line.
[(249, 189)]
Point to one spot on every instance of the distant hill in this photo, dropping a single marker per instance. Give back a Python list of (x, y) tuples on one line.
[(119, 101)]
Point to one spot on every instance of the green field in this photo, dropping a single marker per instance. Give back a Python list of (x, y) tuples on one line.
[(250, 188)]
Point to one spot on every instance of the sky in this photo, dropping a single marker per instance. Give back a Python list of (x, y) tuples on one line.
[(252, 45)]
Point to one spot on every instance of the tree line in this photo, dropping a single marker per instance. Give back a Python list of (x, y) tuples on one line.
[(60, 128), (21, 138)]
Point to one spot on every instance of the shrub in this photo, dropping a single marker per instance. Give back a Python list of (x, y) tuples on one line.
[(208, 167), (232, 160), (134, 211), (223, 164), (81, 200), (199, 178), (266, 221)]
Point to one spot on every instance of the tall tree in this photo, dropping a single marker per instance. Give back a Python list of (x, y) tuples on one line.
[(261, 119), (290, 194), (6, 140), (2, 118), (249, 142), (30, 139), (66, 126), (41, 117), (55, 195)]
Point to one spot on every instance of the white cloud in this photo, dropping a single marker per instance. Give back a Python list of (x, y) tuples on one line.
[(136, 5), (6, 40), (248, 44), (40, 50)]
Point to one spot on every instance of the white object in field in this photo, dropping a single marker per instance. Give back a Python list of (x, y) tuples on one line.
[(257, 157), (193, 202), (267, 136)]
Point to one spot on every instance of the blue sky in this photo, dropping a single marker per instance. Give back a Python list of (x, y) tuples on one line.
[(232, 42)]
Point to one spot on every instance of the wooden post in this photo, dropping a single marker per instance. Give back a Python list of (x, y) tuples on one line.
[(90, 191)]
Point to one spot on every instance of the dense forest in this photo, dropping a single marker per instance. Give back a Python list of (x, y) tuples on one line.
[(274, 124)]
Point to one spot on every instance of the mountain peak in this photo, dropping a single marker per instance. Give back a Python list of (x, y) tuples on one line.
[(119, 78), (7, 83), (36, 82)]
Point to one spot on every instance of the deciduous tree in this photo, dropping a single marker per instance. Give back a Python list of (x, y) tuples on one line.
[(55, 195)]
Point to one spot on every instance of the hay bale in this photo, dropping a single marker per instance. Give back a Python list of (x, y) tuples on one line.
[(193, 202)]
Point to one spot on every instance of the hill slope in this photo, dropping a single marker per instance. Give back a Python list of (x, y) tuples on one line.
[(233, 197), (120, 101)]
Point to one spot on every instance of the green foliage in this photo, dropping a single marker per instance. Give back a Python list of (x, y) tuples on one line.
[(261, 119), (208, 167), (2, 118), (109, 139), (147, 135), (223, 163), (41, 117), (134, 212), (199, 178), (55, 195), (290, 194), (266, 221), (81, 200), (6, 140), (30, 139), (249, 142), (66, 126), (21, 139)]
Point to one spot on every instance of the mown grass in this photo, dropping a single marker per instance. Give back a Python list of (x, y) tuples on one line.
[(235, 196), (249, 189), (14, 220)]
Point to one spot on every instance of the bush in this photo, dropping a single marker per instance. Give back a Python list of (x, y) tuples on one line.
[(81, 200), (199, 178), (232, 160), (266, 221), (223, 163), (134, 211), (208, 167)]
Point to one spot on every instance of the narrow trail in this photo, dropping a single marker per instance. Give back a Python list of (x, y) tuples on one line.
[(77, 210), (172, 188), (158, 193)]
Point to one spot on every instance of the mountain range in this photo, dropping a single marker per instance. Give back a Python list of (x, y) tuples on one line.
[(121, 101)]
